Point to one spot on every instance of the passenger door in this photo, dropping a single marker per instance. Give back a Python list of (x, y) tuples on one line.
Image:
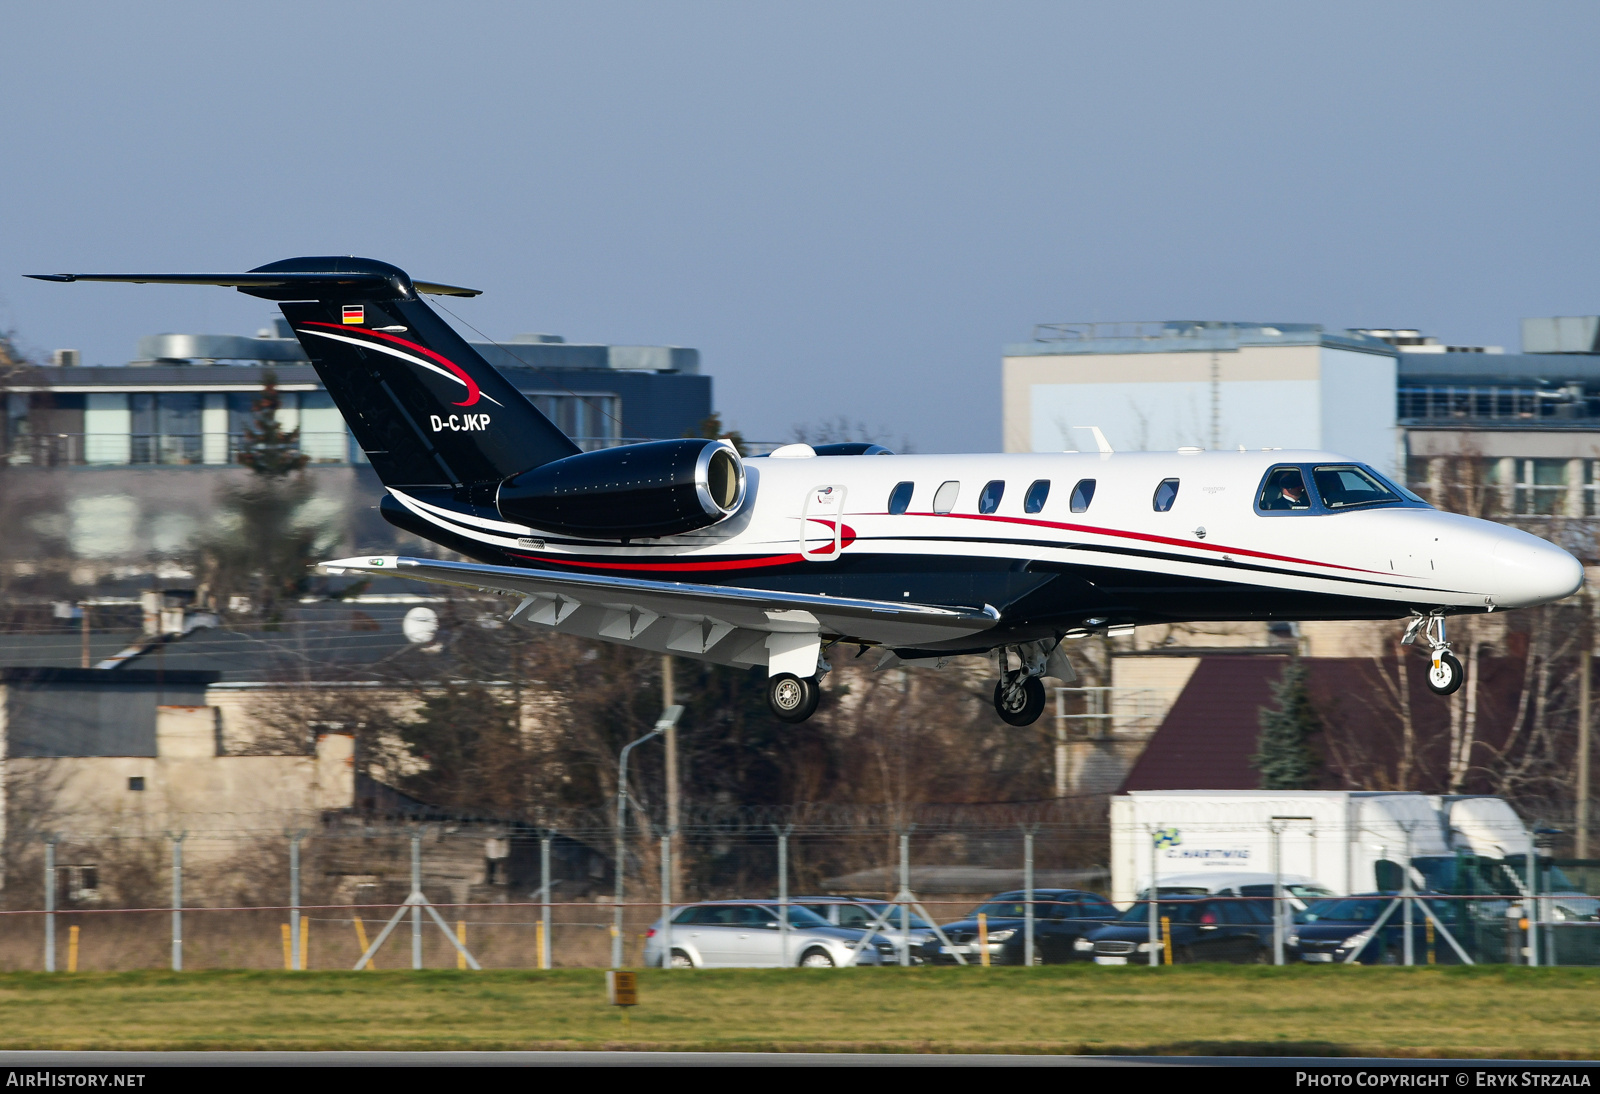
[(714, 933), (756, 939), (822, 524), (1212, 941)]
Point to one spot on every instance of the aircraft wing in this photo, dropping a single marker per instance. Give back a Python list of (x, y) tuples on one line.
[(728, 626)]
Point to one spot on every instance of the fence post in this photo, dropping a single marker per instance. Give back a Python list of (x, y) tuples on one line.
[(50, 904), (1154, 895), (544, 888), (1406, 892), (177, 901), (296, 958), (905, 896), (1533, 899), (1277, 893), (783, 892), (1027, 894), (416, 889), (666, 899)]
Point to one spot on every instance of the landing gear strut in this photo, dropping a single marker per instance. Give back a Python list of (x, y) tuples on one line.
[(793, 699), (1445, 674)]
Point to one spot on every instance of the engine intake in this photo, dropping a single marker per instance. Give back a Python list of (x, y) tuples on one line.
[(637, 491)]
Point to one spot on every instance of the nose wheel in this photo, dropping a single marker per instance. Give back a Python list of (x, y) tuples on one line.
[(791, 698), (1445, 674)]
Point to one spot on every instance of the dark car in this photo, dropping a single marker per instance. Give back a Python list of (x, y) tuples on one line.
[(1239, 931), (1328, 930), (1060, 918)]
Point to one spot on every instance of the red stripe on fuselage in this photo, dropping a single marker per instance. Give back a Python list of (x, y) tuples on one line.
[(849, 536), (1149, 538), (472, 386)]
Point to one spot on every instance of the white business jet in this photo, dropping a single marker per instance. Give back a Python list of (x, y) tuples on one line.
[(783, 561)]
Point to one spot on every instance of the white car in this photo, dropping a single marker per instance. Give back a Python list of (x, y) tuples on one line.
[(745, 934), (1297, 888), (859, 914)]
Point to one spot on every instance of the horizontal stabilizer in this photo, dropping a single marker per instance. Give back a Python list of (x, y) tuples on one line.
[(298, 279)]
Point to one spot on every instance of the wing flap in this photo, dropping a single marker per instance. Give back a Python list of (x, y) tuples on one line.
[(717, 623)]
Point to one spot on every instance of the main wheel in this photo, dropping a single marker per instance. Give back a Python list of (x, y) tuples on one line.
[(1019, 704), (1445, 677), (816, 959), (791, 698)]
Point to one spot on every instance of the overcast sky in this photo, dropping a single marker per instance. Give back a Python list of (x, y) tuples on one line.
[(848, 208)]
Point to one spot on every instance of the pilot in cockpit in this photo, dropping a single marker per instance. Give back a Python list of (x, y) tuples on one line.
[(1285, 489)]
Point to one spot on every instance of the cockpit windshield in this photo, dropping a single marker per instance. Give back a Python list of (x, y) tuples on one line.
[(1346, 486)]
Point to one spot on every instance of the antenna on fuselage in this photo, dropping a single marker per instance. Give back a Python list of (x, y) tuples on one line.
[(1099, 438)]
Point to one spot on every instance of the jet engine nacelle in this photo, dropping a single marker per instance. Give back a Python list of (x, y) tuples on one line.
[(636, 491)]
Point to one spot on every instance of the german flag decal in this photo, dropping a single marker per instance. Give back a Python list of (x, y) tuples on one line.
[(355, 313)]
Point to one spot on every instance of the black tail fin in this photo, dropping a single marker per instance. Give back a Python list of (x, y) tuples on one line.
[(424, 406), (426, 409)]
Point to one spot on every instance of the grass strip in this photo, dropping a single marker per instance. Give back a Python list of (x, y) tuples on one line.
[(1486, 1012)]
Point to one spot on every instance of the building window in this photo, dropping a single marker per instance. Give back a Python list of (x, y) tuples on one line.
[(900, 497), (1037, 494), (945, 499), (135, 782), (1165, 495), (989, 500), (1082, 495), (1541, 487)]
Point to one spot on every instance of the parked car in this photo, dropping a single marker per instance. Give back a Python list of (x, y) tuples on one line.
[(1298, 890), (745, 934), (859, 914), (1328, 930), (1060, 918), (1202, 929)]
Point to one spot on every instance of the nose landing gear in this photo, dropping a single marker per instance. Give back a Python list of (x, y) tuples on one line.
[(1445, 674)]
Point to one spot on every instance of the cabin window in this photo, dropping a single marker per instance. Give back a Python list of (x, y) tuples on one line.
[(1165, 495), (1082, 495), (1033, 501), (135, 782), (1349, 486), (989, 500), (945, 499), (900, 497), (1283, 491)]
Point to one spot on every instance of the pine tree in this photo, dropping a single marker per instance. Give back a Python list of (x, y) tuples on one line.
[(268, 450), (1284, 755)]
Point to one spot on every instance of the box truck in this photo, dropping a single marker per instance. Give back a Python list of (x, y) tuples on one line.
[(1348, 841)]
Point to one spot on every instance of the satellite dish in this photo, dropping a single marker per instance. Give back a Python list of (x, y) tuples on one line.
[(420, 626)]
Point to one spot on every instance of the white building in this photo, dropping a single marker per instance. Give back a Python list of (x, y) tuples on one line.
[(1161, 386)]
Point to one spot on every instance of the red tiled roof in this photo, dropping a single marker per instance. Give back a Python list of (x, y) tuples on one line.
[(1210, 733)]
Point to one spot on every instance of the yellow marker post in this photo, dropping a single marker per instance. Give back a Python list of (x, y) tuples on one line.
[(622, 990), (461, 937), (1428, 926), (1166, 938), (361, 937), (288, 955), (72, 948), (305, 942), (983, 939), (538, 942)]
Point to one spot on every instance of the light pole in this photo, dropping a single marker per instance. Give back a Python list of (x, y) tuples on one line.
[(668, 719)]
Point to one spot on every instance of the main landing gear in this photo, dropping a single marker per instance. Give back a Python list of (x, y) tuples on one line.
[(792, 698), (1019, 697), (1445, 674)]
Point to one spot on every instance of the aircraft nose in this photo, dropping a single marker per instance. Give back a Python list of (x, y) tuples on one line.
[(1530, 570)]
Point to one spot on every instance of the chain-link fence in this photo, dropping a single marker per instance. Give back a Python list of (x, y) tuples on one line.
[(1033, 882)]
